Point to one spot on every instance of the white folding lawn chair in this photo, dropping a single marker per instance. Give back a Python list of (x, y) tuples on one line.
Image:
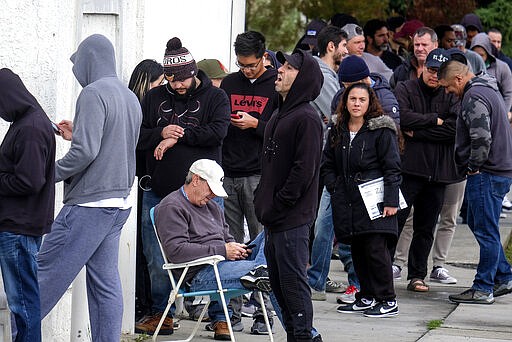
[(218, 294)]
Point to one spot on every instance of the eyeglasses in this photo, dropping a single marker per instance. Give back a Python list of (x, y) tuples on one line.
[(251, 67), (432, 71)]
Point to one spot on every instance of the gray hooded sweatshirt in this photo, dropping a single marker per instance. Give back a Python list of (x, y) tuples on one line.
[(101, 161), (496, 68)]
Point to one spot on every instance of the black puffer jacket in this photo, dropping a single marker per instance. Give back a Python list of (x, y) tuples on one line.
[(429, 152), (373, 153)]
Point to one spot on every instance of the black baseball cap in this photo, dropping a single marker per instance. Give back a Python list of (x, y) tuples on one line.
[(295, 59), (437, 57)]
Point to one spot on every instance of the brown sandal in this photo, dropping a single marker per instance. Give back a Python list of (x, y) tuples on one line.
[(417, 285)]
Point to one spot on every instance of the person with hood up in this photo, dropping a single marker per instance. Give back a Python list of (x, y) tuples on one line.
[(482, 45), (27, 197), (184, 120), (483, 151), (98, 172), (286, 199)]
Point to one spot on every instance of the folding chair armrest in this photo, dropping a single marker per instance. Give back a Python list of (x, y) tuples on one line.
[(209, 260)]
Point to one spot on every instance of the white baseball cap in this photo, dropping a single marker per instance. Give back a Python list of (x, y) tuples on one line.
[(212, 173)]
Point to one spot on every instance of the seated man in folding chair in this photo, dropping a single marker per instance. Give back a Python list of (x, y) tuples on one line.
[(191, 226)]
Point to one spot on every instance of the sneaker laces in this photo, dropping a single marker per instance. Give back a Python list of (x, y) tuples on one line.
[(333, 284), (351, 290)]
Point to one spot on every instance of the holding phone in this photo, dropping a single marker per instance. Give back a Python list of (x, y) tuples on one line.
[(56, 129), (236, 116)]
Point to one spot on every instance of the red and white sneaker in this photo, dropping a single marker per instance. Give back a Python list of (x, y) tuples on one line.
[(349, 296)]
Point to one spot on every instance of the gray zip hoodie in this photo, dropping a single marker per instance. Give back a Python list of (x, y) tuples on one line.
[(101, 161)]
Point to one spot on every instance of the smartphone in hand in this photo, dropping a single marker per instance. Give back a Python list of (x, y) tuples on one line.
[(56, 129), (236, 116)]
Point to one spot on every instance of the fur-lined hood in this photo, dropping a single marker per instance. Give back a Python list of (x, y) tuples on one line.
[(382, 121)]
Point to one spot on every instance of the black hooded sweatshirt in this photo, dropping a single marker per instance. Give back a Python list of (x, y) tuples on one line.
[(27, 161), (204, 114), (287, 195), (241, 150)]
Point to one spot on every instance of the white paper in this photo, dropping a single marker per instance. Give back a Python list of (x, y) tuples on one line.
[(372, 193)]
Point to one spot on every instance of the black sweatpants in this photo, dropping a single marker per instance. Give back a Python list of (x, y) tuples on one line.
[(427, 198), (372, 263), (287, 256)]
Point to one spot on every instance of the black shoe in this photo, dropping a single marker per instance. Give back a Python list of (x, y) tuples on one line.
[(502, 289), (383, 309), (472, 296), (360, 305), (257, 279), (317, 338)]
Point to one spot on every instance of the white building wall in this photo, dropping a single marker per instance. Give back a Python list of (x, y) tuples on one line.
[(39, 36)]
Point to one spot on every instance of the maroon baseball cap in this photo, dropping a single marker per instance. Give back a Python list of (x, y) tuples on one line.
[(409, 28)]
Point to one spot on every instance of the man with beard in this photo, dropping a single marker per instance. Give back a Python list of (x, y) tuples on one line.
[(332, 44), (183, 121), (377, 39), (332, 47)]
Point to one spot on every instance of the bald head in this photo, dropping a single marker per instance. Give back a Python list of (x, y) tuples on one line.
[(454, 75)]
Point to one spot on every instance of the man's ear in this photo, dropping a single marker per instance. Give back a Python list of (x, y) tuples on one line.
[(331, 47)]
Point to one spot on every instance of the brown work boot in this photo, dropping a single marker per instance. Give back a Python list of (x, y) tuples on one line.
[(221, 331), (148, 325)]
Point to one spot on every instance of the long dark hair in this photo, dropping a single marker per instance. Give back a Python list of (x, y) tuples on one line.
[(374, 107), (144, 73)]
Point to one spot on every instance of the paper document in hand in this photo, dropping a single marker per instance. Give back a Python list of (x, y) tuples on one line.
[(372, 193)]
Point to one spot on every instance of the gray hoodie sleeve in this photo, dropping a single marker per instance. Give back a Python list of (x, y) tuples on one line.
[(88, 126), (475, 115)]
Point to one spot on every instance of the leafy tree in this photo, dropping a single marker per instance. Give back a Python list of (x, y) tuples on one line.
[(436, 12), (279, 21), (362, 10), (498, 15)]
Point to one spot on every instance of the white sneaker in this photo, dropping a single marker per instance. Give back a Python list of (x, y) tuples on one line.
[(506, 204), (397, 272), (441, 275)]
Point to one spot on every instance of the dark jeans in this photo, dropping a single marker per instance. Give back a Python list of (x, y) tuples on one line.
[(287, 256), (427, 198), (372, 263), (485, 194)]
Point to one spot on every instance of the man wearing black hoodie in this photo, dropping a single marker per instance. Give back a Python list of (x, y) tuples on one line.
[(286, 198), (27, 198), (183, 121)]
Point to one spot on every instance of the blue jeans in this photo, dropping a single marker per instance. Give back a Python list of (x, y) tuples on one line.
[(346, 258), (322, 247), (485, 194), (19, 271), (230, 272), (84, 236), (160, 285)]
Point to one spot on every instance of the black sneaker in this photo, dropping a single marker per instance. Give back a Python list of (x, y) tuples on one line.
[(257, 279), (383, 309), (472, 296), (502, 289), (359, 305), (318, 338)]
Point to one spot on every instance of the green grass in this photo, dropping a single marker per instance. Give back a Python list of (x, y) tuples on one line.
[(434, 324)]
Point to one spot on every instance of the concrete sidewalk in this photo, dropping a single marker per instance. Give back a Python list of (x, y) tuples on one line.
[(464, 322)]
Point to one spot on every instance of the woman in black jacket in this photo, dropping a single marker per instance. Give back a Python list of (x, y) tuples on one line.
[(363, 146)]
